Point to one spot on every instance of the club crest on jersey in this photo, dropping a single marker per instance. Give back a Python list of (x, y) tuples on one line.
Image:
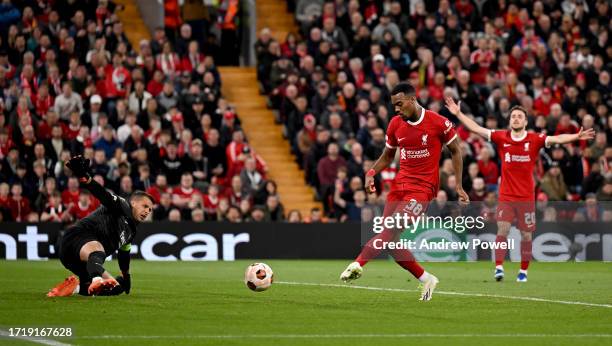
[(449, 126), (424, 139), (527, 146)]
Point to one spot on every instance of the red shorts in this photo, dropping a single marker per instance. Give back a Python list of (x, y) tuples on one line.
[(413, 203), (522, 212)]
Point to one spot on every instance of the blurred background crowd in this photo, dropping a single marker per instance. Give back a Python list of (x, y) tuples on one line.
[(153, 117)]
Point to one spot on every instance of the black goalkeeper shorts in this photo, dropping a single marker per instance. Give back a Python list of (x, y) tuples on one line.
[(70, 250)]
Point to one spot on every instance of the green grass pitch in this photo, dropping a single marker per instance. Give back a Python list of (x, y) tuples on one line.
[(204, 303)]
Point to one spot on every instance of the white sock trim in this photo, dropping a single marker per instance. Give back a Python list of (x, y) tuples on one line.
[(523, 271), (499, 267), (424, 277)]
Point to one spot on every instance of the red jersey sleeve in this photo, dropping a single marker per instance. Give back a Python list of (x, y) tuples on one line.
[(540, 141), (496, 136), (447, 130), (390, 138)]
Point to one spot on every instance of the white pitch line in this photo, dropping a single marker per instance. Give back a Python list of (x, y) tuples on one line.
[(449, 293), (34, 339), (342, 336)]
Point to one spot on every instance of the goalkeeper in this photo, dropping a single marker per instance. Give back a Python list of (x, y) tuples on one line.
[(89, 241)]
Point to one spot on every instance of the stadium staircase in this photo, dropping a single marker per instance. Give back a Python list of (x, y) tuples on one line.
[(133, 25), (240, 87)]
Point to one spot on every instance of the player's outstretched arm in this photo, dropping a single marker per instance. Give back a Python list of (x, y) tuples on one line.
[(80, 168), (383, 162), (455, 109), (457, 157), (564, 139)]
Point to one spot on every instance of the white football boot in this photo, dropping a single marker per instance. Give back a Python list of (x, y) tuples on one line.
[(352, 272), (428, 286)]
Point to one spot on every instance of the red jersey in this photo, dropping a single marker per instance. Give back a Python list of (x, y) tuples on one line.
[(186, 194), (518, 157), (420, 146), (69, 197), (79, 211)]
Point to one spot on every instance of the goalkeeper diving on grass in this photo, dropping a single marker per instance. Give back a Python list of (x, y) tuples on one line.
[(109, 229)]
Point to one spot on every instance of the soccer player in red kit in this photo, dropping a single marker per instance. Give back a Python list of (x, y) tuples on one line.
[(518, 151), (420, 135)]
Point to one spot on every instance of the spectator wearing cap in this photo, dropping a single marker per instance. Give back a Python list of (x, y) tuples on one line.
[(379, 70), (90, 116)]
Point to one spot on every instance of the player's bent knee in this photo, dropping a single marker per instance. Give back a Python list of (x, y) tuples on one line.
[(503, 228), (88, 248), (526, 236)]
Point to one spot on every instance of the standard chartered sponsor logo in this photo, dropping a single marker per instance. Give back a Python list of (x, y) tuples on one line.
[(521, 158), (413, 154)]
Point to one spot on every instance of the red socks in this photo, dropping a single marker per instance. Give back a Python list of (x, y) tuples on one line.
[(402, 257), (369, 250), (500, 254), (525, 254)]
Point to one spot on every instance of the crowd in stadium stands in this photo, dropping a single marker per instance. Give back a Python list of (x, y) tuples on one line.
[(151, 119), (330, 84)]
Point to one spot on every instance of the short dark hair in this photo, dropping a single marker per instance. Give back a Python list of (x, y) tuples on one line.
[(403, 88), (141, 194), (519, 108)]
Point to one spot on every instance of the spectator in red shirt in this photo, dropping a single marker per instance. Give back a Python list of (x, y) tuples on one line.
[(18, 205), (4, 195), (70, 196), (543, 103), (565, 126), (488, 168), (481, 60), (160, 186), (185, 196), (436, 90), (55, 210), (86, 205)]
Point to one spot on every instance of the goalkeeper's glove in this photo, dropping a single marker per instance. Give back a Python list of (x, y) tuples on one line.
[(79, 167)]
